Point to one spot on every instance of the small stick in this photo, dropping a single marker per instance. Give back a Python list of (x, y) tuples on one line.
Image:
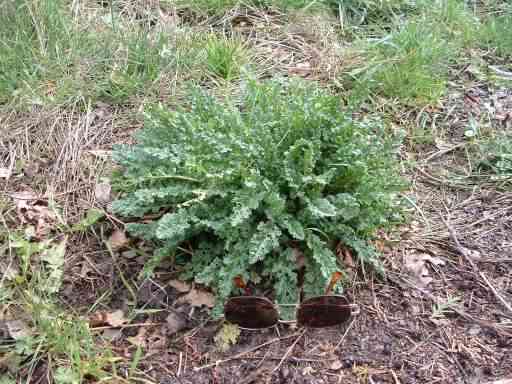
[(443, 152), (289, 350), (463, 251), (241, 354), (125, 326), (179, 365), (395, 377), (344, 335), (498, 296)]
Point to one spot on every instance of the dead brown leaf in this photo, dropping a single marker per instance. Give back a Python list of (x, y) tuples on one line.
[(336, 365), (32, 209), (118, 240), (197, 298), (17, 329), (112, 334), (180, 286), (140, 339), (415, 263), (114, 319), (175, 322), (102, 193)]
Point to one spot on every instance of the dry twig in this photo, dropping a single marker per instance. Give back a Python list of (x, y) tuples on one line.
[(464, 252), (289, 350), (242, 354)]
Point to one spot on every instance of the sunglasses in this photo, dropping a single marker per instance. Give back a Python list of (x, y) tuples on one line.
[(255, 312)]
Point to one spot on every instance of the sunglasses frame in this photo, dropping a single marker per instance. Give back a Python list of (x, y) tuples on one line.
[(274, 307)]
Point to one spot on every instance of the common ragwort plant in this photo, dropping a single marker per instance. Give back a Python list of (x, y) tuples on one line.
[(253, 185)]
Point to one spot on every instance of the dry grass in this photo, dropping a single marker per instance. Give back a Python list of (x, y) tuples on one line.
[(62, 153)]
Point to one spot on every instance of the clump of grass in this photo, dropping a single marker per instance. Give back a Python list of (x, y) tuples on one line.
[(44, 334), (367, 12), (218, 7), (36, 41), (140, 61), (496, 35), (411, 64), (454, 20), (47, 55), (225, 57), (209, 7), (494, 161)]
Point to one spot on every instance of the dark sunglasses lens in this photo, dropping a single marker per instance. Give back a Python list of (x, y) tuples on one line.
[(323, 311), (251, 312)]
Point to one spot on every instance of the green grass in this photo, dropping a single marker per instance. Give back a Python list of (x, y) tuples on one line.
[(47, 332), (411, 62), (494, 161), (141, 61), (225, 57), (50, 56), (36, 42), (47, 56), (367, 12), (496, 35)]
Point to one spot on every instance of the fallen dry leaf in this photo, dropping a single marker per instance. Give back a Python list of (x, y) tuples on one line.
[(415, 264), (197, 298), (118, 240), (102, 192), (309, 370), (336, 365), (32, 209), (380, 245), (114, 319), (180, 286), (345, 255), (175, 322), (17, 329), (139, 340), (112, 334)]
